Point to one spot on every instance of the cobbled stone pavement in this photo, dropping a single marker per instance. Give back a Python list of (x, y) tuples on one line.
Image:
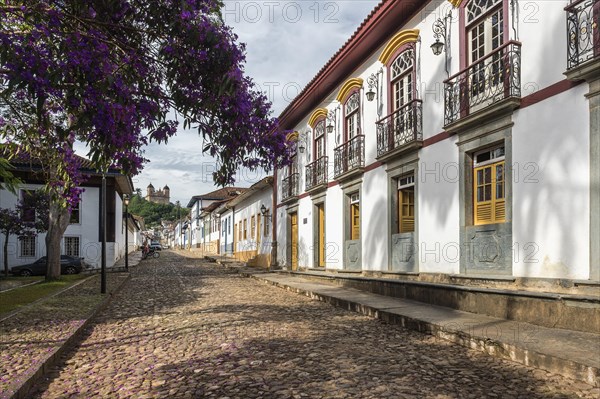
[(28, 337), (184, 328)]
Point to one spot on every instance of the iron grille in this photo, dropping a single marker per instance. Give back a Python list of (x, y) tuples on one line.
[(349, 156), (289, 187), (399, 128), (583, 32), (492, 78), (316, 173)]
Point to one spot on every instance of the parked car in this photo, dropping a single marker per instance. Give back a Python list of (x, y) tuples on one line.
[(68, 265), (156, 246)]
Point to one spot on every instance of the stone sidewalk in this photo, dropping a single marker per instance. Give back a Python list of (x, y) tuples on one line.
[(32, 338), (570, 353), (185, 328)]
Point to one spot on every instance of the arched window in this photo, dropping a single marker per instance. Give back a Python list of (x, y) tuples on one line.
[(319, 140), (352, 116), (485, 33), (402, 80)]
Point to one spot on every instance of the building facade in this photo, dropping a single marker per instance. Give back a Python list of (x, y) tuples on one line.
[(450, 138), (82, 237), (203, 221), (246, 224)]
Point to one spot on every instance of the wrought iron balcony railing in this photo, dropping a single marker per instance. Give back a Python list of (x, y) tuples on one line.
[(349, 156), (583, 32), (492, 78), (316, 173), (289, 186), (400, 128)]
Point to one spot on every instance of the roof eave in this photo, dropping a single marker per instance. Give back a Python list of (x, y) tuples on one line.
[(378, 27)]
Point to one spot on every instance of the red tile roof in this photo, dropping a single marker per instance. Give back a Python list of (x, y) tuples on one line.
[(385, 20)]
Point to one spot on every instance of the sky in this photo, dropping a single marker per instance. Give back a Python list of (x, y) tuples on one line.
[(287, 43)]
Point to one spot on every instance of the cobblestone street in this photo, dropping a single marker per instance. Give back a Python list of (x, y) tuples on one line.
[(183, 328)]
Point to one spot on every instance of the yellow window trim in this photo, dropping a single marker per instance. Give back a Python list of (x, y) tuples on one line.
[(401, 38), (347, 87), (317, 114), (495, 205), (407, 222)]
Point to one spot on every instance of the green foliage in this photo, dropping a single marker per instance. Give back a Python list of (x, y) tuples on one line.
[(7, 180), (153, 213)]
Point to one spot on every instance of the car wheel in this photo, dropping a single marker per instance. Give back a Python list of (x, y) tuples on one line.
[(25, 273), (70, 270)]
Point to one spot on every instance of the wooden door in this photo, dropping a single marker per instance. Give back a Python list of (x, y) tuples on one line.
[(294, 240), (258, 233), (235, 234), (355, 221), (321, 235)]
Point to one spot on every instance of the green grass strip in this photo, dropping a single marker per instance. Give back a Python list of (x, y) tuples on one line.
[(19, 297)]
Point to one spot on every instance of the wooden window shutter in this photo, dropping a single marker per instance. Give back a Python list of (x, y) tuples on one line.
[(407, 210), (489, 194)]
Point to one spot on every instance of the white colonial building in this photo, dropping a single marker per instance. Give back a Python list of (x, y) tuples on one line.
[(248, 216), (82, 237), (450, 138)]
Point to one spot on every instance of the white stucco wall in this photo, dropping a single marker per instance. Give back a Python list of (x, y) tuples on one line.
[(551, 190), (551, 138), (87, 230), (438, 208), (247, 208)]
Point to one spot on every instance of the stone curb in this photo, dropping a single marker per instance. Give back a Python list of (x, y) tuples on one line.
[(54, 357), (493, 347)]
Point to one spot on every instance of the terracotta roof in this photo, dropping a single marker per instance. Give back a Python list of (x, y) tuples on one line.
[(214, 206), (258, 186), (385, 20), (23, 159), (24, 162), (224, 193)]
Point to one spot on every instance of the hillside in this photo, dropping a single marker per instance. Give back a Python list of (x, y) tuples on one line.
[(154, 213)]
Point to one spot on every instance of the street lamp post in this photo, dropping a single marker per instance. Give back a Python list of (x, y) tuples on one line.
[(126, 202), (178, 219)]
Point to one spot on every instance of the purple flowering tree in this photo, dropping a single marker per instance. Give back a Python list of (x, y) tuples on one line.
[(29, 218), (117, 75)]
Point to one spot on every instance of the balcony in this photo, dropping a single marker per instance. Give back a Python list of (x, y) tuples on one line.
[(289, 187), (316, 174), (400, 131), (489, 86), (349, 158), (583, 38)]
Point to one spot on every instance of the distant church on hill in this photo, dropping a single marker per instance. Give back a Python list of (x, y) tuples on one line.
[(160, 197)]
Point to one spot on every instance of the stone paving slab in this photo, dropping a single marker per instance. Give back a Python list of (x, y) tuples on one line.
[(571, 353)]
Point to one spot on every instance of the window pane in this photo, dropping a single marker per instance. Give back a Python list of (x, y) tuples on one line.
[(480, 177), (499, 190), (480, 194), (487, 175), (487, 192), (27, 246), (72, 246)]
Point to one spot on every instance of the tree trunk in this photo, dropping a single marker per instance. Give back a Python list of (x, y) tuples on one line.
[(58, 221), (6, 253)]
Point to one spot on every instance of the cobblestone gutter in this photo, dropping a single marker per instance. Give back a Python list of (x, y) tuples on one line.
[(33, 339)]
